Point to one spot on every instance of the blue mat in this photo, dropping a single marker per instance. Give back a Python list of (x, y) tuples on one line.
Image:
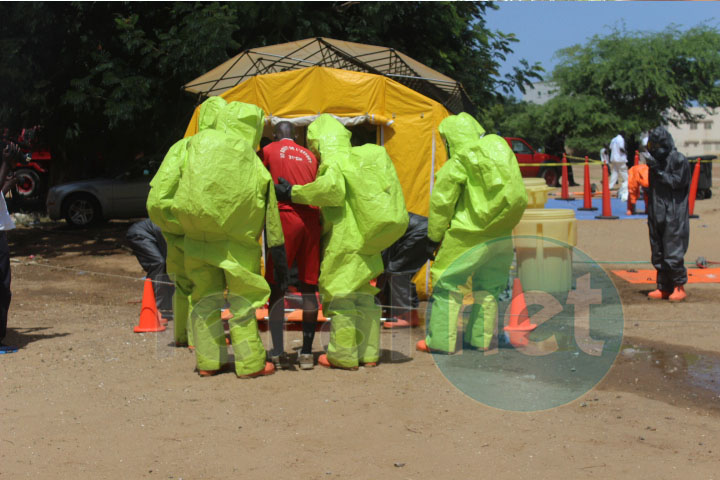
[(618, 208)]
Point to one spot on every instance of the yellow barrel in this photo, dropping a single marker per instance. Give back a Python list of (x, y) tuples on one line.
[(534, 182), (546, 265), (537, 192)]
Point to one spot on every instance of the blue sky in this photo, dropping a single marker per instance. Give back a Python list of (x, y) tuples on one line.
[(546, 27)]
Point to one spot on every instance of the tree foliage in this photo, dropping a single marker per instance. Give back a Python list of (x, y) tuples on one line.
[(624, 81), (105, 77)]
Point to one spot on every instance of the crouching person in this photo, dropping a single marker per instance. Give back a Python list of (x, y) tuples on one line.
[(150, 249)]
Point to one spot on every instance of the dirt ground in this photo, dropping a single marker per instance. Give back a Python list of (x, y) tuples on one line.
[(85, 397)]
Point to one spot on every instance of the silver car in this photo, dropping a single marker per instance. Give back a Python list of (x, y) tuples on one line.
[(89, 201)]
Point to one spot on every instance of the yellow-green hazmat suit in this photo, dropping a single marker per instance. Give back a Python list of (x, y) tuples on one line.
[(478, 196), (350, 180), (162, 191), (224, 199)]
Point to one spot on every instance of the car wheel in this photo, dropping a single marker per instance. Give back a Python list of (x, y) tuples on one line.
[(81, 209), (28, 183), (550, 175)]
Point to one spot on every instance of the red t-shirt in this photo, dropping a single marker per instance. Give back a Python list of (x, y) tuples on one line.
[(294, 163)]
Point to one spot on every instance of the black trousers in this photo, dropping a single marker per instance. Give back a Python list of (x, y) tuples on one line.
[(398, 292), (5, 294), (152, 260), (669, 228)]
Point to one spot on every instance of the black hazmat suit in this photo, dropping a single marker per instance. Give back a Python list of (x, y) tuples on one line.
[(149, 246), (668, 217), (402, 260)]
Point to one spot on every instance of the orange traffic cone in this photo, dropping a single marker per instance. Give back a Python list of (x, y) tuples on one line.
[(606, 206), (693, 190), (519, 319), (520, 325), (564, 193), (149, 318), (587, 191)]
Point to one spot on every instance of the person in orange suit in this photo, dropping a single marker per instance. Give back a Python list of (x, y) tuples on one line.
[(638, 181)]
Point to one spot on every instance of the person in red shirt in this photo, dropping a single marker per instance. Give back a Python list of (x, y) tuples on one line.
[(301, 227)]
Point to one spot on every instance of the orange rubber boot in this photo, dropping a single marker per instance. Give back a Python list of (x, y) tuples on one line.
[(659, 295), (323, 361), (678, 295), (269, 369), (421, 346), (405, 320)]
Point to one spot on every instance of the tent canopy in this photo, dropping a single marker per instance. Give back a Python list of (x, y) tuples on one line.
[(406, 121), (327, 52)]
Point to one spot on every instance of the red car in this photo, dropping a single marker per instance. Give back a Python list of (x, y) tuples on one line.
[(527, 154)]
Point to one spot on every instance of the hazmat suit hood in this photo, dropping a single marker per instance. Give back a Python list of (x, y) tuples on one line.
[(660, 143), (209, 112), (330, 141), (460, 131), (224, 191), (480, 189), (164, 183), (242, 120), (328, 137)]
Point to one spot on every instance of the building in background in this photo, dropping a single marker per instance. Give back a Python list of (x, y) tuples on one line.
[(540, 92), (698, 138)]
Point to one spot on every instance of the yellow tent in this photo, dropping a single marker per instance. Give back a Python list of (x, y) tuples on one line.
[(406, 121), (333, 53)]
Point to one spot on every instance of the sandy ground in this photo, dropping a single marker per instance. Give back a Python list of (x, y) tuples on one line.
[(85, 397)]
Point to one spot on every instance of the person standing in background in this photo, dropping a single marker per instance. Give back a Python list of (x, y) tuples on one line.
[(9, 156), (668, 216), (618, 165)]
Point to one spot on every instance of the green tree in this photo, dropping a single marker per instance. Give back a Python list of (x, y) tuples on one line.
[(633, 82), (104, 77)]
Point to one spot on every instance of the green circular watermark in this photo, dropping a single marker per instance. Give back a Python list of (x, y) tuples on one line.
[(531, 323)]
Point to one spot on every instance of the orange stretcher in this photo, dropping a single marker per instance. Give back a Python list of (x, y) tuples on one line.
[(695, 275)]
